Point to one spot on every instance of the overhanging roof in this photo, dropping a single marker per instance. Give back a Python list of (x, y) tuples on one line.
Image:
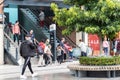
[(36, 3)]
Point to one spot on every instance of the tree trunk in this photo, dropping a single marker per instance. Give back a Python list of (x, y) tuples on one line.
[(101, 48)]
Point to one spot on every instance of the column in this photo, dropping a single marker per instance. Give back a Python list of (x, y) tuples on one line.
[(78, 37), (86, 38), (1, 44), (1, 33)]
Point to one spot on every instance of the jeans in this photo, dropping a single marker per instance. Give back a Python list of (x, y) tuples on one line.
[(70, 54), (105, 49), (83, 53), (16, 36)]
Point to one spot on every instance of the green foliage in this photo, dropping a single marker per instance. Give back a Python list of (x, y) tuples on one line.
[(92, 29), (99, 60), (99, 16), (79, 2)]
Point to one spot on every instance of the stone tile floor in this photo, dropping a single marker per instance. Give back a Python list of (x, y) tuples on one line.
[(61, 76)]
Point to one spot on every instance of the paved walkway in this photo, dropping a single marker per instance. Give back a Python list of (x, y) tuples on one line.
[(51, 72), (12, 71)]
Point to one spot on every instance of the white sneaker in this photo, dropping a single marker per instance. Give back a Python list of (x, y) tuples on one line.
[(34, 74), (23, 77)]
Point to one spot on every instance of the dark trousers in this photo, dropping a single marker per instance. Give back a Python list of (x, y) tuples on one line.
[(62, 56), (65, 56), (83, 53), (27, 63), (46, 58), (59, 59), (16, 36)]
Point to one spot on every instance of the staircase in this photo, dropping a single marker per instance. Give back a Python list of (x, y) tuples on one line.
[(43, 33), (11, 50)]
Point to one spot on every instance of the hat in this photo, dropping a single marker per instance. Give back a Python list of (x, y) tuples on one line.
[(28, 35)]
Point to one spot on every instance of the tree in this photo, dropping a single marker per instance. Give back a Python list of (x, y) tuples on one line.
[(100, 17)]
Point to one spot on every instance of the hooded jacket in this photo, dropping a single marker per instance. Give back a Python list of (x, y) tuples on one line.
[(27, 49)]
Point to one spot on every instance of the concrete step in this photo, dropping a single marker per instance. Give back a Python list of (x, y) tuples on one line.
[(12, 51)]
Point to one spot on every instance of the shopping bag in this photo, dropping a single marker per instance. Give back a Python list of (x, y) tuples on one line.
[(76, 52), (20, 61)]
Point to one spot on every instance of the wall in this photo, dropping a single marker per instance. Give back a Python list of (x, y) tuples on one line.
[(13, 13)]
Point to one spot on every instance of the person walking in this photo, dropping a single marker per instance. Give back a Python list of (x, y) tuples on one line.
[(62, 48), (32, 35), (83, 48), (47, 42), (118, 47), (59, 54), (16, 31), (27, 50), (48, 53), (105, 46), (41, 17), (41, 47)]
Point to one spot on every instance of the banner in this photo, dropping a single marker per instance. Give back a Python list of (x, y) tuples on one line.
[(94, 43)]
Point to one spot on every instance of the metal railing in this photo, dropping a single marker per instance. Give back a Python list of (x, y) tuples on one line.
[(58, 29), (59, 33), (11, 46), (36, 12), (48, 22), (38, 32)]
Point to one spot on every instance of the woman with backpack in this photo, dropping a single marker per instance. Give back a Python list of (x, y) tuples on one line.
[(40, 48)]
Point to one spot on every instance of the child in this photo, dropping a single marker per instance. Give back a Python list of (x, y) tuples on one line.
[(59, 54), (70, 52)]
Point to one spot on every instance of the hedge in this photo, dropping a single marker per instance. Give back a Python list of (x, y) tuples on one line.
[(100, 60)]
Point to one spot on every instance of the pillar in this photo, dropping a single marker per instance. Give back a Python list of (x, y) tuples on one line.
[(78, 37), (1, 44), (1, 33)]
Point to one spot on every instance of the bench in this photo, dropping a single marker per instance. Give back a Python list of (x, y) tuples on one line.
[(81, 70)]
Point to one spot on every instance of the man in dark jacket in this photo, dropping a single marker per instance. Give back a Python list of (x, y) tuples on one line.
[(27, 50)]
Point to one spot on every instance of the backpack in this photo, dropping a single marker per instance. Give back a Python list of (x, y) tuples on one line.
[(118, 45), (40, 50)]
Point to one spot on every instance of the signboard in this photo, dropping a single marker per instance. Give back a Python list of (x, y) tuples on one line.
[(52, 27), (53, 40), (94, 43)]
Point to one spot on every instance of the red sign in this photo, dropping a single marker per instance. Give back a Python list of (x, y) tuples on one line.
[(94, 41)]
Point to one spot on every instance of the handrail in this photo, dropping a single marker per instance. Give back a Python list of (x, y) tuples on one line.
[(5, 34), (32, 21), (27, 32), (7, 46), (34, 27), (58, 29), (46, 24), (36, 17)]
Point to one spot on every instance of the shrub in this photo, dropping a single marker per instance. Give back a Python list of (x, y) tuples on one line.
[(100, 60)]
